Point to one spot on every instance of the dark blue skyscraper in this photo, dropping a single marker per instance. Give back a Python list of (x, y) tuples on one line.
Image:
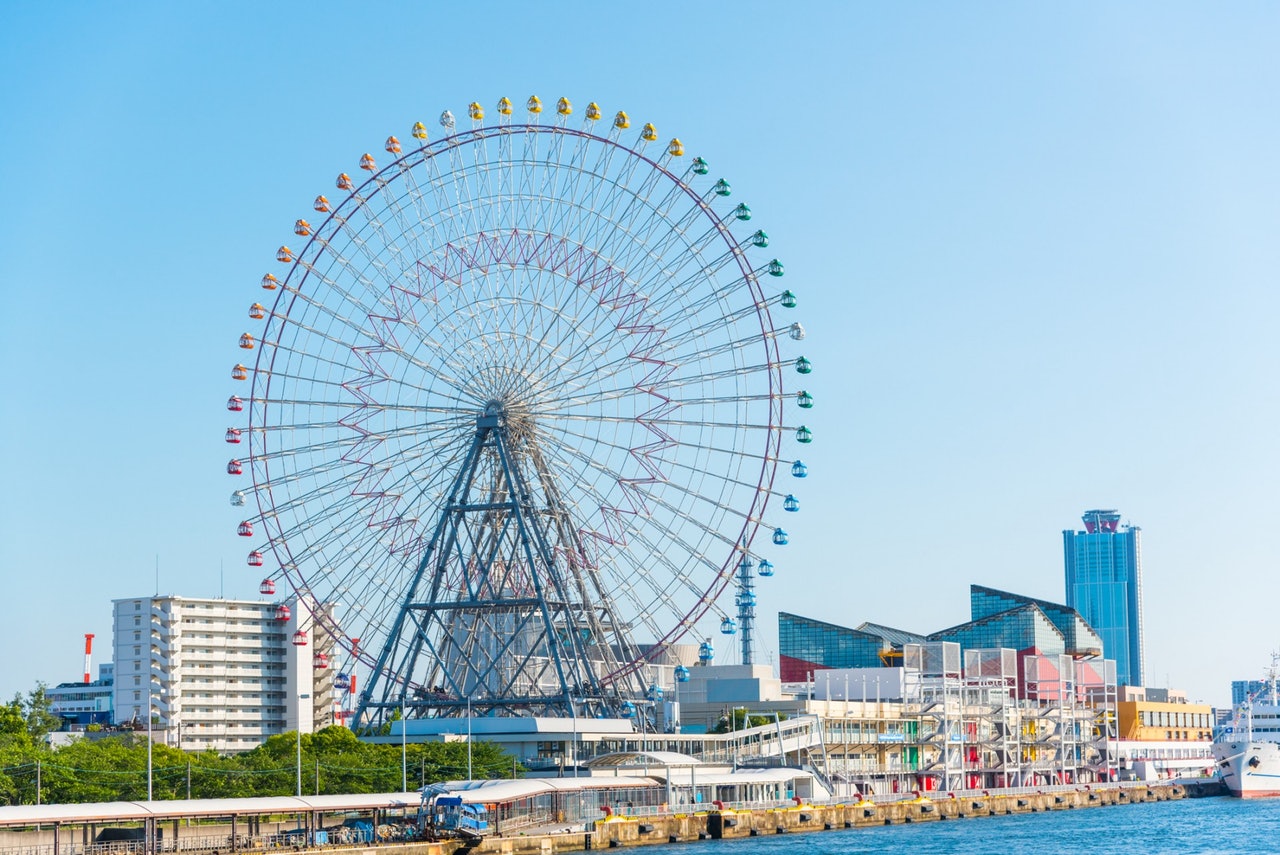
[(1104, 584)]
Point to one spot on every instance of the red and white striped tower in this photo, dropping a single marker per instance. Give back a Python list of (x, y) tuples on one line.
[(88, 653)]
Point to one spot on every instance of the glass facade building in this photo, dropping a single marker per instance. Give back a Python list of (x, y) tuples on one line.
[(1025, 629), (1104, 584), (1078, 638), (806, 645)]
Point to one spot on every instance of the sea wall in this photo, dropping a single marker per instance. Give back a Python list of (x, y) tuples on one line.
[(714, 825), (620, 831)]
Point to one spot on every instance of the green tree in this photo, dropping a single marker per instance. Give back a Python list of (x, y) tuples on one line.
[(13, 723), (741, 721), (114, 768), (37, 710)]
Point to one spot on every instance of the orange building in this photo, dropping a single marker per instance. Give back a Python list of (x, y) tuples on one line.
[(1161, 739), (1151, 721)]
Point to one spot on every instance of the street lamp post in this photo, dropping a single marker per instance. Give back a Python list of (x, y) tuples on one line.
[(404, 751), (573, 752), (469, 738), (301, 698)]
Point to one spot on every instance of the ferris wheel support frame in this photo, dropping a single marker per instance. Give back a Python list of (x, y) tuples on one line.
[(579, 686)]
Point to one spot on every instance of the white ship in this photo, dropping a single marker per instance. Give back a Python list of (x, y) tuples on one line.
[(1247, 751)]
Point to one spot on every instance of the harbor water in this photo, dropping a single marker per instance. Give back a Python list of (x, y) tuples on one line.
[(1211, 825)]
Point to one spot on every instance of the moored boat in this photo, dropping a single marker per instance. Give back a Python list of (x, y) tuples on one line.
[(1247, 751)]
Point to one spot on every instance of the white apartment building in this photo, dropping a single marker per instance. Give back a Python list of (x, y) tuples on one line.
[(222, 674)]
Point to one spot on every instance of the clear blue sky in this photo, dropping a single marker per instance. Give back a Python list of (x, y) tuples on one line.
[(1035, 246)]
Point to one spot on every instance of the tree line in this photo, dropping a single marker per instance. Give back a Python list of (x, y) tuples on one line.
[(113, 767)]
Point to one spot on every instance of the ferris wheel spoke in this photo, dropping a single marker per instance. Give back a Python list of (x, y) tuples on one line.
[(559, 354), (379, 300), (704, 350), (668, 229), (350, 475), (283, 316), (422, 454), (710, 450), (731, 319), (323, 444), (281, 482), (570, 187), (483, 165), (307, 540), (388, 273), (670, 422), (315, 336), (390, 200), (327, 248), (637, 203), (622, 581), (548, 192), (660, 591), (672, 311), (410, 224), (566, 405), (461, 187), (420, 222), (674, 381)]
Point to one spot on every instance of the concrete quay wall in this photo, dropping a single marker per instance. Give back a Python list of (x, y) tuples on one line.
[(620, 831)]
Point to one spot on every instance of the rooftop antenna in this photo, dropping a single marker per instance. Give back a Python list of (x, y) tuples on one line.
[(222, 569), (157, 574)]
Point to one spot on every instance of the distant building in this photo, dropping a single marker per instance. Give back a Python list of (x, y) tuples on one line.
[(1242, 690), (1104, 584), (221, 674), (81, 704)]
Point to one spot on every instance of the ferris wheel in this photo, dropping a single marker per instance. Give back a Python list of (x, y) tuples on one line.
[(515, 412)]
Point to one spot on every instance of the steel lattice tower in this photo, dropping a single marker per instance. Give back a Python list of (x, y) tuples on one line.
[(504, 615)]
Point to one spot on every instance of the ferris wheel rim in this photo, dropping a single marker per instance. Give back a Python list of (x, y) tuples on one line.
[(753, 516)]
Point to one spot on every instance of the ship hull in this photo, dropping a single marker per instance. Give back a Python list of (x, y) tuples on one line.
[(1250, 769)]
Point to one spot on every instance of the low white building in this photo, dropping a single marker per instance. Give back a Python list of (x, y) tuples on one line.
[(82, 704), (221, 674)]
